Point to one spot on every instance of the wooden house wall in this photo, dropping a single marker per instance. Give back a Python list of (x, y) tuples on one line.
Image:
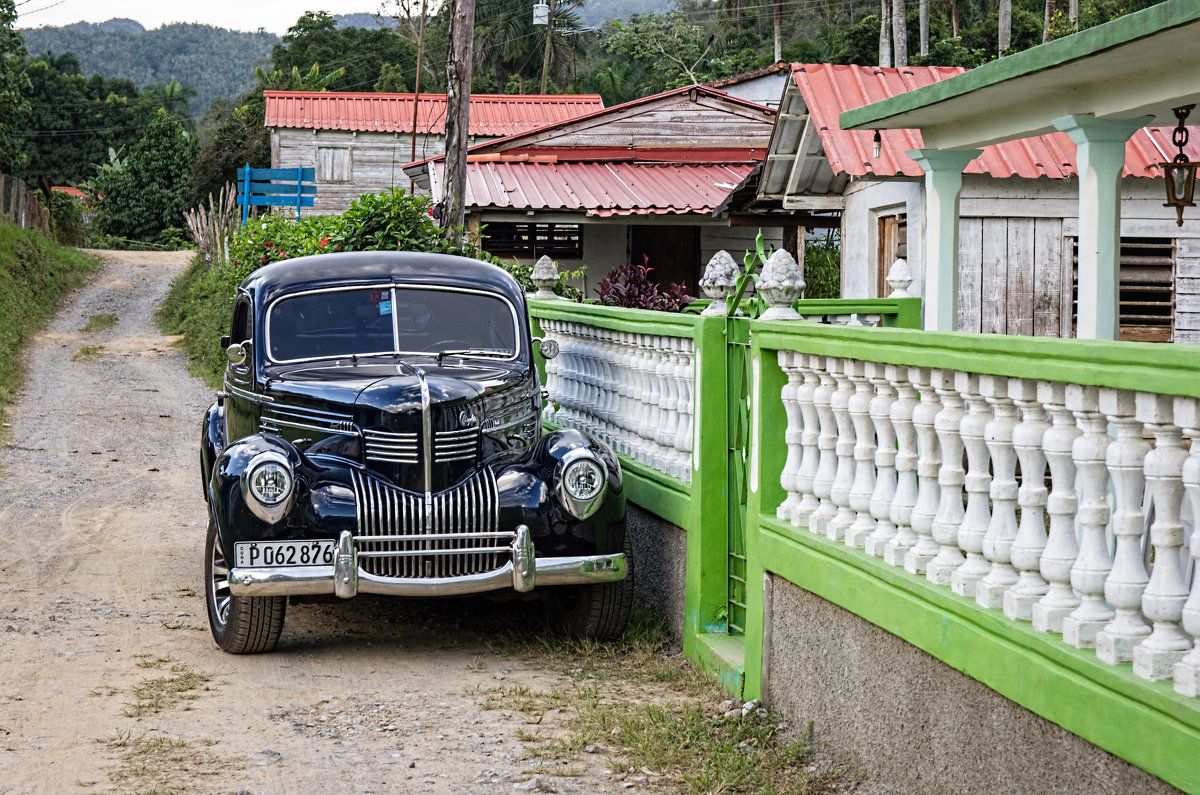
[(375, 161), (1010, 276)]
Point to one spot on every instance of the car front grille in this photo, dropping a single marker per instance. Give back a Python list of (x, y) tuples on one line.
[(404, 448), (455, 534)]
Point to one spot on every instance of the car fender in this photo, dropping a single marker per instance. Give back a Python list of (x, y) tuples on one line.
[(233, 516)]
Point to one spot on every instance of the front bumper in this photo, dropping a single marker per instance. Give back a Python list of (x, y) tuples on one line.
[(345, 579)]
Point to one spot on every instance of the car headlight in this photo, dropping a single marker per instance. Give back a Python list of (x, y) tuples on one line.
[(581, 482), (268, 486)]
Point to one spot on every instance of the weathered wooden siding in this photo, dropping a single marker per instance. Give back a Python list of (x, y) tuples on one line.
[(1187, 289), (375, 161), (1010, 275), (707, 123)]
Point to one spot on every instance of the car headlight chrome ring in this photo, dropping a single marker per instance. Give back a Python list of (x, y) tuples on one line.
[(581, 482), (268, 486)]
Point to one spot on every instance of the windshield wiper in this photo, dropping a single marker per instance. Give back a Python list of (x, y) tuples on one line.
[(488, 352)]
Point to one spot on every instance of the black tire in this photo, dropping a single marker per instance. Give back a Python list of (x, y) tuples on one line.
[(594, 612), (239, 624)]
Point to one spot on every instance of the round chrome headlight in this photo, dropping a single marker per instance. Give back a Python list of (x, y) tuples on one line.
[(268, 486), (581, 482), (270, 483)]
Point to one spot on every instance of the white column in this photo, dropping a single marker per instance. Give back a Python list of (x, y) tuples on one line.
[(1002, 526), (1187, 670), (1127, 580), (943, 184), (864, 455), (810, 458), (844, 479), (977, 481), (1093, 563), (1166, 594), (884, 494), (789, 478), (950, 480), (1061, 549), (1031, 532), (929, 463), (900, 511), (1100, 159), (827, 444)]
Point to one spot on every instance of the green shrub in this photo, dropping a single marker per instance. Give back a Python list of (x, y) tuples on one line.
[(199, 306), (66, 217), (823, 267)]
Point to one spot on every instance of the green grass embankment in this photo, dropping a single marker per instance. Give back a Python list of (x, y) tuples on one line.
[(199, 306), (35, 274)]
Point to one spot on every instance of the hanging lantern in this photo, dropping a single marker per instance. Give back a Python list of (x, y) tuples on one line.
[(1180, 173), (541, 14)]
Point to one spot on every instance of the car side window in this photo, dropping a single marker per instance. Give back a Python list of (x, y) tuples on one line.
[(241, 327)]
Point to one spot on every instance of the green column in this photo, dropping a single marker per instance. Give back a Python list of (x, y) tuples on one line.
[(1100, 160), (943, 184)]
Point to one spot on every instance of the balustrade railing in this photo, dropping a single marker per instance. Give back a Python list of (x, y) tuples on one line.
[(871, 465)]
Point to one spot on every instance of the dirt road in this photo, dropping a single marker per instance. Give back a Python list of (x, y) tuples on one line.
[(109, 679)]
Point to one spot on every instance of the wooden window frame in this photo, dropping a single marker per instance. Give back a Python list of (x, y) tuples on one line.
[(1147, 288), (530, 240), (891, 243)]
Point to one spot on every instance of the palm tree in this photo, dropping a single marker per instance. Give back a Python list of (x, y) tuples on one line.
[(899, 33)]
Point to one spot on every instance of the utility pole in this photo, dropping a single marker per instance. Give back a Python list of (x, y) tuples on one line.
[(417, 92), (458, 113)]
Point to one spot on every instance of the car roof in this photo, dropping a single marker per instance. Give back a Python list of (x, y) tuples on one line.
[(350, 268)]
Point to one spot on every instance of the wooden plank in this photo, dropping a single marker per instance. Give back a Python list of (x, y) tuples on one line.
[(278, 201), (970, 258), (1047, 278), (994, 277), (307, 174), (1021, 263), (275, 187)]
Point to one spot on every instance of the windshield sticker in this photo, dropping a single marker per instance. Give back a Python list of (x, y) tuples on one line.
[(385, 307)]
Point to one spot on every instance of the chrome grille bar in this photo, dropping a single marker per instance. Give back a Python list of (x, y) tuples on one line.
[(461, 536), (460, 445), (390, 447), (306, 419)]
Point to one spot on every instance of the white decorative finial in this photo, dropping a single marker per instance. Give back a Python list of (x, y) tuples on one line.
[(545, 277), (899, 278), (719, 280), (781, 284)]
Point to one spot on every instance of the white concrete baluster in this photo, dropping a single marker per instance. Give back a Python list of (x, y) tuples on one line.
[(1125, 583), (1061, 549), (1093, 563), (843, 480), (884, 494), (901, 510), (1165, 595), (864, 455), (929, 464), (1027, 547), (685, 441), (826, 443), (791, 435), (1187, 670), (950, 480), (1002, 527), (973, 529), (811, 456), (668, 399)]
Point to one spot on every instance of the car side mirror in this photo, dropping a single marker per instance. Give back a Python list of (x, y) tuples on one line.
[(547, 348), (224, 340), (237, 353)]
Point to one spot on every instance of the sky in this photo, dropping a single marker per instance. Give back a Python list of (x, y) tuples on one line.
[(275, 16)]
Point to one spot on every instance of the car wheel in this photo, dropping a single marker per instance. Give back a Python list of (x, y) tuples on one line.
[(594, 612), (239, 624)]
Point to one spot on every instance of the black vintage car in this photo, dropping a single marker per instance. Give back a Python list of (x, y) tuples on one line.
[(379, 432)]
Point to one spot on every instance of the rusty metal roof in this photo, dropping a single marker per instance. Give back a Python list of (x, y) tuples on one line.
[(829, 89), (492, 115), (600, 188)]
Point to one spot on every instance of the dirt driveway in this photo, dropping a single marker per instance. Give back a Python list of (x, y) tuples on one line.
[(109, 679)]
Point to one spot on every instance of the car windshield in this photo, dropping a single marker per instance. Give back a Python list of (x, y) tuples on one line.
[(362, 322)]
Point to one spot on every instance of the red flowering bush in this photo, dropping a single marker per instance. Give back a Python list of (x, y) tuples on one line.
[(630, 286)]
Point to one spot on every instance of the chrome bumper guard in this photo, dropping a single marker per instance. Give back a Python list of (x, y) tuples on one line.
[(346, 580)]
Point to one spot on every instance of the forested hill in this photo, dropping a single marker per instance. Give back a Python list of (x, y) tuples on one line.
[(217, 63)]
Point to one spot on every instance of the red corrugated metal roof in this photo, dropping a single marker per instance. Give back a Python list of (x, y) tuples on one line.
[(601, 188), (829, 89), (492, 115)]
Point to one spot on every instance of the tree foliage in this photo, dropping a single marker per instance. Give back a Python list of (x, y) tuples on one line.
[(147, 194), (14, 87)]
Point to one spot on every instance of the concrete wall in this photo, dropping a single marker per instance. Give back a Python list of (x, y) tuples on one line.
[(660, 557), (912, 723)]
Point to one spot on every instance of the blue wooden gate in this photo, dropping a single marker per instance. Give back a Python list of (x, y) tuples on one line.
[(262, 187)]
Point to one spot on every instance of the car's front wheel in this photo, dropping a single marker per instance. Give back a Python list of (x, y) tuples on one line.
[(239, 624), (594, 612)]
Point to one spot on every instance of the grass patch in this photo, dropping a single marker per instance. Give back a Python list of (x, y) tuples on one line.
[(198, 306), (151, 696), (35, 274), (101, 322), (161, 764), (640, 703), (88, 352)]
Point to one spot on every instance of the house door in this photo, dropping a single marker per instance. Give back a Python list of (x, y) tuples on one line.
[(672, 251)]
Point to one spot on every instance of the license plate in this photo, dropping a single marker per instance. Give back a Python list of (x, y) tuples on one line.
[(250, 554)]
